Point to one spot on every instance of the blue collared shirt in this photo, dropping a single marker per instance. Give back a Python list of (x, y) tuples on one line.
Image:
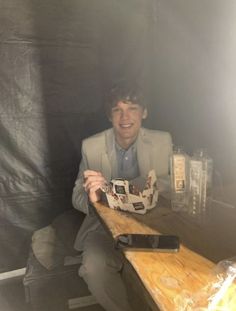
[(127, 162)]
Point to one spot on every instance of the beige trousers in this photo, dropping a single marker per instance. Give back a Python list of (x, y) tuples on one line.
[(101, 270)]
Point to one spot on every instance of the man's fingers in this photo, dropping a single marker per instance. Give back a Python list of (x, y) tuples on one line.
[(94, 194), (93, 182), (94, 179), (93, 185), (89, 173), (94, 188)]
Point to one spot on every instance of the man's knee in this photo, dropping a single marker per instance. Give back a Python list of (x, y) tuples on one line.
[(93, 263), (98, 262)]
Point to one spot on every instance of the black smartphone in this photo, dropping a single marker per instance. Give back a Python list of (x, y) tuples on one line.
[(148, 242)]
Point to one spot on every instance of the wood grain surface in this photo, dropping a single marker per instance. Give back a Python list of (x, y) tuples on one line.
[(204, 241)]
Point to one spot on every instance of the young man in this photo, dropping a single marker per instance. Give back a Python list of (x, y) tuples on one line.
[(125, 151)]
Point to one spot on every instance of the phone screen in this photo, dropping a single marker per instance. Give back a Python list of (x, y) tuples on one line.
[(154, 242)]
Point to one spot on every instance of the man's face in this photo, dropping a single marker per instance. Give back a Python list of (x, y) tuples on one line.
[(126, 118)]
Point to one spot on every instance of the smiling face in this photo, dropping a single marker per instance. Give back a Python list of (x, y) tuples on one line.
[(126, 118)]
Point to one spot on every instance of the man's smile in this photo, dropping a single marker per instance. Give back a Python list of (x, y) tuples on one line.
[(127, 125)]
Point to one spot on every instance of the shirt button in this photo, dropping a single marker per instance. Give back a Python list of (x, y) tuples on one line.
[(126, 158)]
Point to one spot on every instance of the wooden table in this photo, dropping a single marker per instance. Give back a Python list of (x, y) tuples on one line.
[(160, 277)]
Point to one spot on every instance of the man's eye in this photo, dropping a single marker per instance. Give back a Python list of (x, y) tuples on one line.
[(134, 108), (115, 110)]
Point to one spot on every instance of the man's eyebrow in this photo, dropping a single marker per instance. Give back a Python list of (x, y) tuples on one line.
[(130, 102)]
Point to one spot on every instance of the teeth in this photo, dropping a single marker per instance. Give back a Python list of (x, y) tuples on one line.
[(125, 125)]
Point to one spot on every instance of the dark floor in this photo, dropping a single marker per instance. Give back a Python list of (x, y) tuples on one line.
[(12, 297)]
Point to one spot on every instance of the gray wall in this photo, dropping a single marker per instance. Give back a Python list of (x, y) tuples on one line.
[(195, 80)]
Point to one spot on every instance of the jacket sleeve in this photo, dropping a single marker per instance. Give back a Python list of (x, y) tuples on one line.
[(79, 196)]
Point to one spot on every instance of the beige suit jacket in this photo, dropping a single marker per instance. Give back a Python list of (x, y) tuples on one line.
[(98, 153)]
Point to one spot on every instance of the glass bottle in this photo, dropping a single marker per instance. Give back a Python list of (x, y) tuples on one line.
[(207, 172), (179, 180), (195, 174), (200, 174), (209, 175)]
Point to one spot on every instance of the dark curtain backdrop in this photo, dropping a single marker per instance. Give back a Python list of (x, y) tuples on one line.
[(58, 60)]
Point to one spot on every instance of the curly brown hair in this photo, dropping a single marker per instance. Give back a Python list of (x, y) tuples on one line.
[(124, 93)]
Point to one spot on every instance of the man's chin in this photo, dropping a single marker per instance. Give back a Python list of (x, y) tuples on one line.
[(126, 136)]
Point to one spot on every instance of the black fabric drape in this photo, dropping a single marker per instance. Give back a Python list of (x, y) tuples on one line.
[(58, 59)]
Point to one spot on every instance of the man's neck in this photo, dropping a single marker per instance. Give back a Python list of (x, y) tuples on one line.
[(125, 143)]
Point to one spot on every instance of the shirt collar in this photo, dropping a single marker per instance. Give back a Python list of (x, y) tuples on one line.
[(132, 147)]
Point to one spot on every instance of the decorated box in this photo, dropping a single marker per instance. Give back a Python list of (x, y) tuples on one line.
[(130, 196)]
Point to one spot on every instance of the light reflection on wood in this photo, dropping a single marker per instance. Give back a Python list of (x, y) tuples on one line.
[(165, 275)]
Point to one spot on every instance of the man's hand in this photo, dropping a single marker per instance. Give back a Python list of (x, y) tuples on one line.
[(93, 181)]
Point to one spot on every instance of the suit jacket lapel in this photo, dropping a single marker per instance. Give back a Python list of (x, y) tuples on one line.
[(109, 163), (144, 153)]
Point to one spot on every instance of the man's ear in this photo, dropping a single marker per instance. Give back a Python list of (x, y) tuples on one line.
[(145, 113), (108, 115)]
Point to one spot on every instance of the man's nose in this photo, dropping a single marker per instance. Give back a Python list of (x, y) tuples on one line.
[(124, 114)]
